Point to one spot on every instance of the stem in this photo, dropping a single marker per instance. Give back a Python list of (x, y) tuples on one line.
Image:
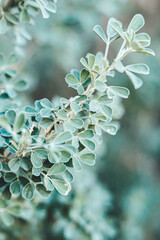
[(122, 47), (107, 49)]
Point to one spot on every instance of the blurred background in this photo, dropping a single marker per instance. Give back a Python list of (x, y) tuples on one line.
[(119, 198)]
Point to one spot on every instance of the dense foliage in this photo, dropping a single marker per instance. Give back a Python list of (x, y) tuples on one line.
[(48, 139)]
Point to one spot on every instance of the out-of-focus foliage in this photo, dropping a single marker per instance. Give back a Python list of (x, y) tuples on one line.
[(82, 215)]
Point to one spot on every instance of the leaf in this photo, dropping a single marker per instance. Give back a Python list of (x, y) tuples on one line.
[(138, 68), (117, 27), (14, 164), (87, 134), (46, 103), (77, 123), (71, 79), (93, 106), (91, 60), (45, 112), (109, 128), (62, 187), (110, 31), (88, 144), (107, 111), (30, 110), (19, 122), (84, 75), (104, 100), (45, 122), (100, 32), (119, 91), (146, 51), (137, 82), (143, 39), (11, 18), (75, 107), (4, 123), (51, 158), (64, 101), (24, 16), (136, 23), (28, 191), (48, 183), (88, 158), (41, 153), (119, 66), (84, 63), (98, 130), (76, 164), (57, 168), (62, 114), (63, 137), (3, 26), (43, 11), (15, 187), (36, 161), (9, 176), (81, 98), (51, 7), (67, 176), (80, 90), (68, 126), (11, 115), (100, 86), (36, 171), (42, 190), (26, 164)]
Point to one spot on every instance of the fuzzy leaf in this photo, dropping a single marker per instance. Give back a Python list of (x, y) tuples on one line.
[(36, 161), (28, 191), (62, 187), (57, 168), (63, 137), (87, 134), (139, 68), (14, 164), (76, 164), (88, 158), (19, 122), (100, 32), (119, 91), (71, 79), (137, 82), (15, 187), (136, 23)]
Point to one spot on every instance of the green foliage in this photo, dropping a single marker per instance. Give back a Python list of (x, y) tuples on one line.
[(84, 219), (44, 146), (41, 144)]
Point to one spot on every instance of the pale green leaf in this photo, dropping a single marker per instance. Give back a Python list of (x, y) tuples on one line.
[(119, 91), (100, 32), (139, 68), (137, 82), (57, 168), (136, 23)]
